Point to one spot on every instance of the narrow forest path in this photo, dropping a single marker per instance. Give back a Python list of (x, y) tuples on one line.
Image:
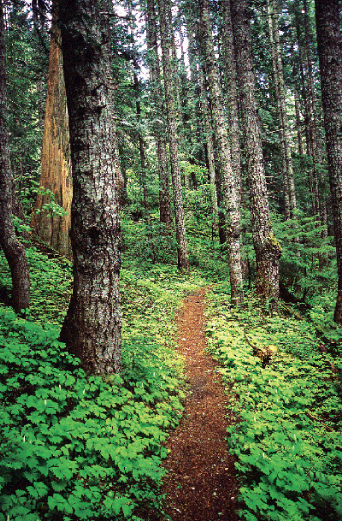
[(201, 483)]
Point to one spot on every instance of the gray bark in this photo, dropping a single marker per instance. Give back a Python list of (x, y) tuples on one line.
[(183, 261), (92, 328), (158, 123), (267, 248), (330, 60), (231, 91), (278, 73), (231, 181)]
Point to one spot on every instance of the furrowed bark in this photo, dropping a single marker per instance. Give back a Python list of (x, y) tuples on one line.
[(231, 181), (92, 328), (330, 60), (267, 248)]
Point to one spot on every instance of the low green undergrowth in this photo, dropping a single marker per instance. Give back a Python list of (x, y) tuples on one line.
[(288, 440), (78, 447)]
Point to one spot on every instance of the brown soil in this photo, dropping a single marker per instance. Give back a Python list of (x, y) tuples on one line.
[(200, 483)]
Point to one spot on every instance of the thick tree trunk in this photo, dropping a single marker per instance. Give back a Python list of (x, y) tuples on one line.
[(231, 182), (267, 248), (56, 173), (92, 326), (14, 251), (330, 60), (183, 261), (158, 125)]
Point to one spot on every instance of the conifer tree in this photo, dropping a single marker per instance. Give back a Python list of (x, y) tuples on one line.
[(13, 249), (92, 327), (158, 111), (182, 249), (330, 60), (56, 175), (231, 181), (266, 246)]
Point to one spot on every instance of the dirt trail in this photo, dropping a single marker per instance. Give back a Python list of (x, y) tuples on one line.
[(201, 483)]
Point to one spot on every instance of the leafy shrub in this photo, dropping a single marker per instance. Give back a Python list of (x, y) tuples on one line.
[(76, 446), (86, 447), (288, 440)]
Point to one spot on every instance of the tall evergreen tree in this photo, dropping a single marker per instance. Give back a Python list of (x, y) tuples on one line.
[(330, 59), (158, 111), (182, 249), (13, 249), (284, 131), (92, 327), (231, 181), (267, 248)]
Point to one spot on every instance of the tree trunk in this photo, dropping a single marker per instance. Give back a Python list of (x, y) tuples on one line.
[(198, 77), (158, 124), (183, 261), (231, 91), (13, 249), (278, 73), (298, 124), (107, 12), (143, 163), (330, 60), (56, 173), (92, 328), (231, 188), (309, 102), (267, 248)]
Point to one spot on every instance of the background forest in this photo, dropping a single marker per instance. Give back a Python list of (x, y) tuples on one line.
[(211, 160)]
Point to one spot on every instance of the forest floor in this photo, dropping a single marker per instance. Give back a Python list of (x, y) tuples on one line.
[(201, 482)]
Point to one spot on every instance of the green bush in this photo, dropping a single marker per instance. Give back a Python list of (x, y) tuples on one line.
[(288, 440)]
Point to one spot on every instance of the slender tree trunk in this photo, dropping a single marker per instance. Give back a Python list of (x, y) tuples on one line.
[(210, 145), (143, 163), (183, 261), (198, 77), (56, 174), (158, 124), (231, 182), (174, 66), (231, 91), (92, 328), (298, 124), (330, 60), (13, 249), (267, 248), (278, 73), (309, 102), (107, 12)]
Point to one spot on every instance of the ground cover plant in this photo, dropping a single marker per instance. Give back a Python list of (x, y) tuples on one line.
[(77, 446), (285, 390)]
